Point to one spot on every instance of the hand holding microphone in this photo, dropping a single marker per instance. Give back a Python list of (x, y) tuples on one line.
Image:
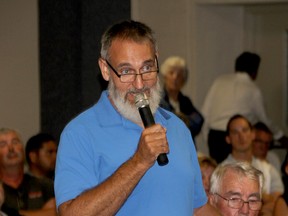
[(142, 104)]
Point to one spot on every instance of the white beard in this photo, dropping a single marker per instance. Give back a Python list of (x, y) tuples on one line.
[(128, 110)]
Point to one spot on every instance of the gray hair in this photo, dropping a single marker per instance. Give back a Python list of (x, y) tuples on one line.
[(127, 30), (241, 168), (173, 62), (9, 130)]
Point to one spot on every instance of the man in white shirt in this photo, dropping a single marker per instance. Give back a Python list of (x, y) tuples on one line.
[(240, 136), (231, 94)]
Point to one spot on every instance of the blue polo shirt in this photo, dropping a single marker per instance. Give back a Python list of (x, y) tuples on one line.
[(95, 143)]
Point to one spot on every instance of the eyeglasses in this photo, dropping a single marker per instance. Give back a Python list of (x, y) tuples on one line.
[(147, 72), (237, 203)]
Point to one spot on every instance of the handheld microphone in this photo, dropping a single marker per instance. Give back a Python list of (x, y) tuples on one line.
[(142, 103)]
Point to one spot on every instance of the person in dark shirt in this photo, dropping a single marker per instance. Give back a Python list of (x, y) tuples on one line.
[(281, 205), (24, 193), (41, 150), (175, 73)]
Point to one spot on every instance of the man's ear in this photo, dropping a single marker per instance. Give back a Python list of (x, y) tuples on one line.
[(33, 156), (227, 139), (212, 200), (104, 69)]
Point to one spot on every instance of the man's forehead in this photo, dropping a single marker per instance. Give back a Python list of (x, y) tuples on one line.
[(126, 43), (235, 183), (239, 127), (8, 134), (11, 135)]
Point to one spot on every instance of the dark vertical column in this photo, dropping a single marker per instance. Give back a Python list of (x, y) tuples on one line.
[(96, 17), (70, 33)]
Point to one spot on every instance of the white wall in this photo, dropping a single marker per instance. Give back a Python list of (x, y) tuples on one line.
[(19, 66), (210, 34)]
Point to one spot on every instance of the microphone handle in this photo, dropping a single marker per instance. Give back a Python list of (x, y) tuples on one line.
[(148, 120)]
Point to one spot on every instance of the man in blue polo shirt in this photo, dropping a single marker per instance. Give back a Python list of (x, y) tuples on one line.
[(106, 161)]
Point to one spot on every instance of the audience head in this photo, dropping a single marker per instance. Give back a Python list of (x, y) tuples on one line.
[(129, 48), (236, 189), (263, 140), (174, 71), (11, 149), (207, 166), (240, 133), (41, 152), (248, 62)]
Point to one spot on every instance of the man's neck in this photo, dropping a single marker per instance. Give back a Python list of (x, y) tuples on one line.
[(37, 172), (242, 156), (12, 177)]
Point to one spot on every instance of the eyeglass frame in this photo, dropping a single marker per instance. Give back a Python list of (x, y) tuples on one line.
[(136, 74), (242, 201)]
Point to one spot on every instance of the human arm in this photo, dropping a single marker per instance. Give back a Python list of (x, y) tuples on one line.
[(207, 210), (107, 197), (190, 115)]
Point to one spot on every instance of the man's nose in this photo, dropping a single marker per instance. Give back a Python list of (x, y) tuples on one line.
[(10, 147), (138, 82), (245, 208)]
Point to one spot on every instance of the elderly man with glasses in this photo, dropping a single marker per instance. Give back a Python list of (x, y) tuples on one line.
[(106, 161), (236, 189)]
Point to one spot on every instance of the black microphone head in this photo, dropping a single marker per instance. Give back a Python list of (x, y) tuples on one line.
[(141, 100)]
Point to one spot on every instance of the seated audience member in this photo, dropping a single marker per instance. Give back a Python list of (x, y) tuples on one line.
[(2, 197), (261, 145), (175, 72), (281, 206), (27, 194), (236, 189), (230, 94), (41, 152), (207, 166), (240, 136), (5, 211)]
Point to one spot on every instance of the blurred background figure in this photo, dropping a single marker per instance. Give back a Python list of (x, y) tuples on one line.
[(262, 144), (207, 167), (4, 211), (233, 184), (231, 94), (240, 136), (281, 206), (41, 151), (28, 195), (174, 71), (2, 197)]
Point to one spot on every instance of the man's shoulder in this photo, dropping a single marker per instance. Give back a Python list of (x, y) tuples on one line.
[(263, 165)]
